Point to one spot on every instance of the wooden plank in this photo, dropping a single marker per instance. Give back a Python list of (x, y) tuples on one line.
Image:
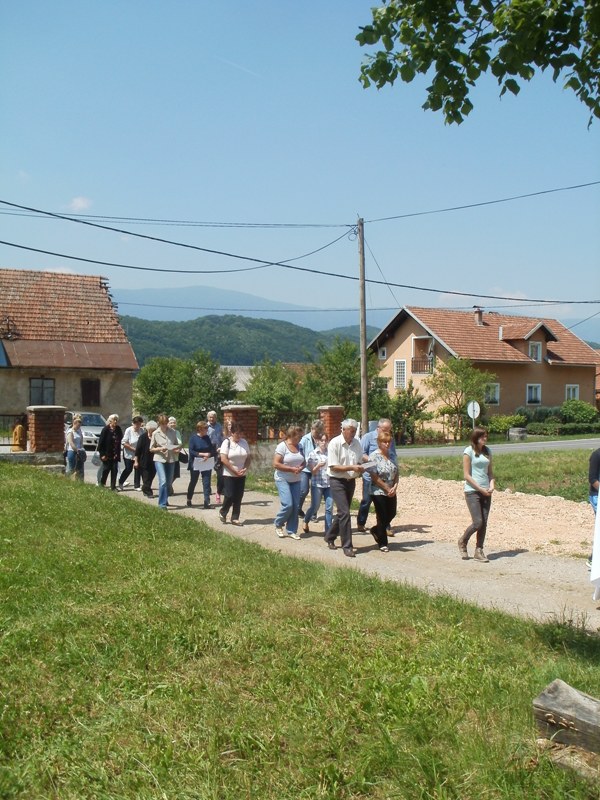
[(568, 716)]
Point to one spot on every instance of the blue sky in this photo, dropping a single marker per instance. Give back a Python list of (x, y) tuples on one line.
[(253, 113)]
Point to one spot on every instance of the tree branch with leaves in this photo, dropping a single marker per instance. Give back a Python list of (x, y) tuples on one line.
[(457, 42)]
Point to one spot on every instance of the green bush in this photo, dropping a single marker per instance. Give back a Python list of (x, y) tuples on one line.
[(500, 423), (539, 413), (430, 436), (578, 411), (562, 428)]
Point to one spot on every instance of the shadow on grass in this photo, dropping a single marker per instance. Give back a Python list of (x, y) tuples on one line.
[(571, 634)]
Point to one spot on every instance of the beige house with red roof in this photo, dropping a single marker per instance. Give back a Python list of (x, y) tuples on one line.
[(61, 343), (536, 361)]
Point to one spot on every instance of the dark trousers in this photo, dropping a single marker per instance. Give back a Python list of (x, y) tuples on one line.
[(148, 475), (220, 478), (342, 492), (233, 489), (385, 508), (127, 470), (194, 475), (111, 467), (479, 506)]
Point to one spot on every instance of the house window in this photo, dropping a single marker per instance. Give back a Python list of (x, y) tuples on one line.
[(41, 391), (492, 394), (400, 374), (90, 393), (535, 351), (572, 391), (534, 394), (382, 354)]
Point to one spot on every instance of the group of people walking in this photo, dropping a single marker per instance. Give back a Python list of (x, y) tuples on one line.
[(304, 465)]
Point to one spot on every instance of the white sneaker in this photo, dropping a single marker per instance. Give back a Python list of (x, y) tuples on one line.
[(280, 532), (294, 535), (138, 488)]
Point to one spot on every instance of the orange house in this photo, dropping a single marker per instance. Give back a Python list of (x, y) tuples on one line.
[(536, 361)]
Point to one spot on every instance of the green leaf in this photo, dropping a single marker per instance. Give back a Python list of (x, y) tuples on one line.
[(512, 86)]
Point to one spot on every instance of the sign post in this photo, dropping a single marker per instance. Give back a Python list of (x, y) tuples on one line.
[(473, 410)]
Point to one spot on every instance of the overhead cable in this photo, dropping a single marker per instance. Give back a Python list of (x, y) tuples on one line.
[(284, 265)]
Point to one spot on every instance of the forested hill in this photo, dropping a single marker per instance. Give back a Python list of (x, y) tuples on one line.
[(230, 339)]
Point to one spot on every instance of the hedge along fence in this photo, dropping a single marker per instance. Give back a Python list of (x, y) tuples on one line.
[(562, 428)]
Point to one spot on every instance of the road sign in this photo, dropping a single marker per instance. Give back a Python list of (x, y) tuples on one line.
[(473, 409)]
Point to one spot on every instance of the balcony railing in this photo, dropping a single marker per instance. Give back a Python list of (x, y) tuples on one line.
[(423, 366)]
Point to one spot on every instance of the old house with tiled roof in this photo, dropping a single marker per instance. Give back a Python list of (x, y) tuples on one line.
[(61, 344), (536, 361)]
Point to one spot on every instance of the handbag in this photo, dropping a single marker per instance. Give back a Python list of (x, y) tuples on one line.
[(82, 455), (96, 460), (184, 456)]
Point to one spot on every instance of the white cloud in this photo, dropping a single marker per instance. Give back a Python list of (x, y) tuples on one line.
[(80, 204)]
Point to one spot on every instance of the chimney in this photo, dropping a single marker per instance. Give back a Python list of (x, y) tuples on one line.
[(478, 315)]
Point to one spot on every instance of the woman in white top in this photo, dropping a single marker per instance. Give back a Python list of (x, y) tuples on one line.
[(235, 458), (75, 451), (130, 438), (288, 462), (165, 449), (317, 463), (479, 485)]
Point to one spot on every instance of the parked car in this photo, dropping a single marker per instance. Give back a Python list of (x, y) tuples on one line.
[(91, 426)]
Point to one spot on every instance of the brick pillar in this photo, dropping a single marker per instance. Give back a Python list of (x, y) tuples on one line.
[(331, 417), (46, 429), (247, 416)]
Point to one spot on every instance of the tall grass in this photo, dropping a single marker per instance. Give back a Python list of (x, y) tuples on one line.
[(144, 655)]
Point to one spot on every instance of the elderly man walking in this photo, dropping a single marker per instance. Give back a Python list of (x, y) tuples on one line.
[(344, 458)]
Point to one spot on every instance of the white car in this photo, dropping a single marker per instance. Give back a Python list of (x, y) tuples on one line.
[(91, 426)]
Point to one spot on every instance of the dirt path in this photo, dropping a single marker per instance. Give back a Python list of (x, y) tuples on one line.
[(536, 546)]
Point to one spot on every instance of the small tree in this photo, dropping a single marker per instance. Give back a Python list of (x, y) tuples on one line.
[(408, 409), (335, 378), (454, 384), (185, 388), (274, 388)]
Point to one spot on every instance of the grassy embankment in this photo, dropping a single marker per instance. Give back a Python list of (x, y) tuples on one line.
[(144, 655)]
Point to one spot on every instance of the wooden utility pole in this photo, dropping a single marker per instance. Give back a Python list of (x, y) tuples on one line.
[(364, 385)]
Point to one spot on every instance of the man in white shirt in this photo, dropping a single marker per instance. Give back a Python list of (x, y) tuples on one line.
[(344, 458)]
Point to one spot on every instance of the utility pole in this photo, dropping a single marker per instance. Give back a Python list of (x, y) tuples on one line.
[(364, 405)]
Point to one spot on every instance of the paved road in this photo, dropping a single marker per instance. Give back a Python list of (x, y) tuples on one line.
[(518, 582), (508, 447)]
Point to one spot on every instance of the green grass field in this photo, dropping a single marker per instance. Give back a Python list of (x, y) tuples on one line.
[(144, 655)]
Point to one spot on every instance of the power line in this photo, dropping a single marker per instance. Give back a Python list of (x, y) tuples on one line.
[(86, 218), (67, 218), (484, 203), (181, 222), (287, 265)]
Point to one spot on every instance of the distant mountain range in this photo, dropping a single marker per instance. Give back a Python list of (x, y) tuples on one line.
[(191, 302), (241, 329), (231, 340)]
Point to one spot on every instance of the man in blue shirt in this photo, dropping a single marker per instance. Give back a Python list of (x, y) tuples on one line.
[(369, 445)]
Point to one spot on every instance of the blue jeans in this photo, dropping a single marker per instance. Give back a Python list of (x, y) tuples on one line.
[(289, 494), (74, 465), (317, 493), (165, 478), (305, 486), (194, 475)]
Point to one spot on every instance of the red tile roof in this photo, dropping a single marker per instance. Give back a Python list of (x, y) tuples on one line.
[(459, 332), (61, 320)]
